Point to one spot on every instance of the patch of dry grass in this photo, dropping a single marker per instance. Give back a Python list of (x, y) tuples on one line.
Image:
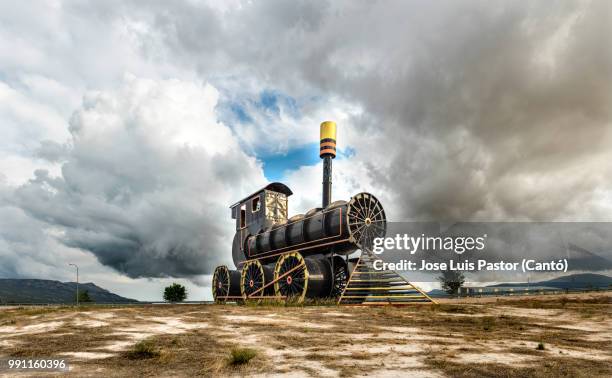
[(241, 356), (63, 339), (552, 367), (142, 350)]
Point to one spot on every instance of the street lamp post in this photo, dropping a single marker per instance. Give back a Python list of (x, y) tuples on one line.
[(77, 282)]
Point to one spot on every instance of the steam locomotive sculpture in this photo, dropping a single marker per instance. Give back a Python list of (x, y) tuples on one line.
[(305, 256)]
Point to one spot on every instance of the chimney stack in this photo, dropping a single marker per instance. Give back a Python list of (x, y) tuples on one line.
[(327, 151)]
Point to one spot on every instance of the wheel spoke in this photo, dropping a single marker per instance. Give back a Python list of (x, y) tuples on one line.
[(359, 209), (378, 226), (375, 216), (366, 205), (370, 202), (377, 210), (360, 228)]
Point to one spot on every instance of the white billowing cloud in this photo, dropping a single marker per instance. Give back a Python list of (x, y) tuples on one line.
[(272, 122), (348, 179), (147, 180), (52, 53), (26, 121)]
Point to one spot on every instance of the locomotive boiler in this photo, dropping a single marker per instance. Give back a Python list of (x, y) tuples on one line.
[(306, 255)]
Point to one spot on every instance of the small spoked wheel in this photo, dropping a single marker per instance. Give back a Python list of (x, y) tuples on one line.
[(252, 279), (291, 277), (221, 284)]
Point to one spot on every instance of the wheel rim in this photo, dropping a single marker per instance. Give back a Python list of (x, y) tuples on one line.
[(221, 284), (252, 279), (366, 220), (293, 285)]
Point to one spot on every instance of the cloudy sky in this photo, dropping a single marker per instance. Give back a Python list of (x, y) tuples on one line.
[(127, 128)]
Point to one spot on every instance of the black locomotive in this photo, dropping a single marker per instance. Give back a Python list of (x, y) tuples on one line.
[(305, 256)]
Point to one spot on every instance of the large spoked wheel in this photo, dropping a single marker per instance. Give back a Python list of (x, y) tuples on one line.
[(252, 280), (366, 220), (291, 277), (221, 284)]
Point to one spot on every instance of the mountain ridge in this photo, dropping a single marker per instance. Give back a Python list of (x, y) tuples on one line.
[(30, 290), (571, 281)]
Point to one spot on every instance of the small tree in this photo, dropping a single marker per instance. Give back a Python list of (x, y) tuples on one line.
[(175, 293), (84, 297), (451, 281)]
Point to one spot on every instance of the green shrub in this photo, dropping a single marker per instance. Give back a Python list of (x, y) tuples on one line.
[(84, 297), (175, 293), (540, 346), (487, 323), (241, 356), (143, 349)]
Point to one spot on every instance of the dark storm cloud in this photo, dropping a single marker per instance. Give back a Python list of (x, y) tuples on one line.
[(487, 110), (584, 246), (498, 132), (146, 180)]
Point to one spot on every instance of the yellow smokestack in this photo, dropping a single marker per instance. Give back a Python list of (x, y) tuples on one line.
[(328, 139)]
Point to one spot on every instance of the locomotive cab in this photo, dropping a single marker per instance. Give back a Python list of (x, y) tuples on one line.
[(262, 209)]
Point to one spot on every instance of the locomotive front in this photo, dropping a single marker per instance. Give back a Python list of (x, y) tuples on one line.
[(305, 256)]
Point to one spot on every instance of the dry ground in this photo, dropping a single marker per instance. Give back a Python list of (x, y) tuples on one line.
[(487, 338)]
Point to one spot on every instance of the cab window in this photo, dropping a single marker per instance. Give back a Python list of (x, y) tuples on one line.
[(243, 216), (255, 205)]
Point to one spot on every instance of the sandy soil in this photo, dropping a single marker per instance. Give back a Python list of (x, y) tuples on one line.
[(474, 338)]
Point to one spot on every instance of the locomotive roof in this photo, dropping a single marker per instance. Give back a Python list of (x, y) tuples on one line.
[(274, 187)]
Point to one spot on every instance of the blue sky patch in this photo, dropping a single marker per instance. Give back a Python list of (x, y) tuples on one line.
[(267, 103), (268, 100), (240, 113), (273, 101), (348, 152), (275, 165)]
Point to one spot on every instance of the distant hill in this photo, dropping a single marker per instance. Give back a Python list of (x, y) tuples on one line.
[(582, 259), (573, 281), (437, 293), (48, 291)]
